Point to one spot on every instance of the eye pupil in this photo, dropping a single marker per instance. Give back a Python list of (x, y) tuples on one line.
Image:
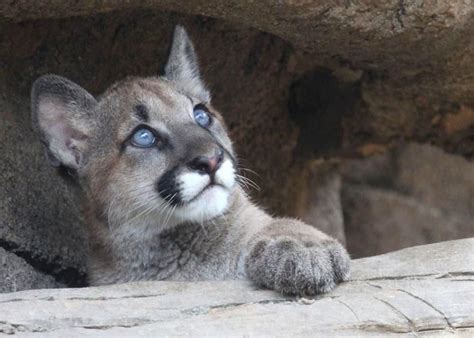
[(143, 138)]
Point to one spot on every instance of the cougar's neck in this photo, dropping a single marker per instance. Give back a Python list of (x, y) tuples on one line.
[(139, 251)]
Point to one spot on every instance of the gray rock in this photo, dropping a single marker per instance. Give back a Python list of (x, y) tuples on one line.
[(437, 179), (38, 218), (379, 221), (415, 54), (413, 195), (378, 170), (17, 275), (416, 291), (319, 200)]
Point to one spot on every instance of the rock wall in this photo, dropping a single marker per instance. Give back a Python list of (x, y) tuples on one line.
[(305, 88), (410, 196), (413, 57)]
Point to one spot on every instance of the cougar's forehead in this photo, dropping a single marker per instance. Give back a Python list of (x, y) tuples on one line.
[(151, 100), (156, 103)]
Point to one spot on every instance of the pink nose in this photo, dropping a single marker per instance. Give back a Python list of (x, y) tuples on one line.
[(207, 165), (213, 163)]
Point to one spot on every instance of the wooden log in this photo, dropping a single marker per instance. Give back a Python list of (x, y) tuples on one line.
[(426, 290)]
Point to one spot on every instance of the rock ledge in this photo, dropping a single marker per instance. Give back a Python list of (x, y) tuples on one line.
[(427, 289)]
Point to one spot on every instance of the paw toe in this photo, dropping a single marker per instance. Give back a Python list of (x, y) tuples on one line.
[(340, 261)]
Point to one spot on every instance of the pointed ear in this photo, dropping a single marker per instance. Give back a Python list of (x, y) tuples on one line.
[(182, 68), (62, 111)]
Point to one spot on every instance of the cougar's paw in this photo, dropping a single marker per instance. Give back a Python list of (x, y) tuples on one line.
[(294, 267)]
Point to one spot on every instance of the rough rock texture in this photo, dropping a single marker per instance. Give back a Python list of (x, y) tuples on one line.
[(414, 57), (382, 221), (415, 291), (411, 195), (437, 179), (38, 220), (416, 194), (17, 275), (319, 201)]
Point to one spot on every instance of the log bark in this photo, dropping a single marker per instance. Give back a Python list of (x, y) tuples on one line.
[(420, 290)]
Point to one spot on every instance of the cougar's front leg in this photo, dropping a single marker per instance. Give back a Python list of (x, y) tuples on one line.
[(296, 259)]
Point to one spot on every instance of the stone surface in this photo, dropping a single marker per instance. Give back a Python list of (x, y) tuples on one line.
[(379, 221), (437, 179), (38, 220), (413, 57), (417, 291), (415, 194), (17, 275), (319, 201)]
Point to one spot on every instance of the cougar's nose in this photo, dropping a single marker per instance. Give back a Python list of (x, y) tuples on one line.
[(207, 165)]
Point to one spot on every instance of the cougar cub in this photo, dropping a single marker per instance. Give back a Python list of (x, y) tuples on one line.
[(157, 176)]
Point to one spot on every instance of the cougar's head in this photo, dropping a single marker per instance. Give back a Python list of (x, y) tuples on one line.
[(148, 150)]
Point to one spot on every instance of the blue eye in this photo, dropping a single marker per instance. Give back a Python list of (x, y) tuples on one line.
[(143, 138), (201, 116)]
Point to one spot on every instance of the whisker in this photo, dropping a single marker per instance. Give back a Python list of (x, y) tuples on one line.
[(247, 181), (243, 184), (170, 212), (250, 171), (144, 212)]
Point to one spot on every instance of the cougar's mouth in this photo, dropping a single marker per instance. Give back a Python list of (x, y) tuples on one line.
[(206, 189), (198, 196), (182, 188)]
